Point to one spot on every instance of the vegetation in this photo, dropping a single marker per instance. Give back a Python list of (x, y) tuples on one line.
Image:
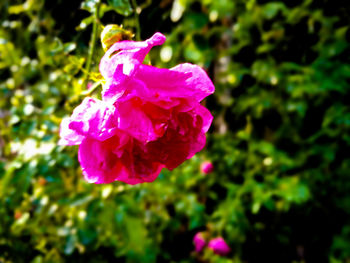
[(280, 141)]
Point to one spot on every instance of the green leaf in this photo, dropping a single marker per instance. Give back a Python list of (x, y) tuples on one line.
[(123, 7), (89, 5), (271, 9)]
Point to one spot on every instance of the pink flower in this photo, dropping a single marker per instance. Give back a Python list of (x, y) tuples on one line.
[(199, 242), (149, 118), (219, 246), (207, 167)]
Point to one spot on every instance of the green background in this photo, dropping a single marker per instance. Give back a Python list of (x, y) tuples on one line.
[(280, 140)]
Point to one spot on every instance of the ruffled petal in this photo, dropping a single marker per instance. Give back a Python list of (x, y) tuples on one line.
[(69, 136), (94, 118), (130, 88), (142, 166), (129, 54), (198, 82), (135, 122), (98, 161), (181, 140), (100, 164), (205, 115), (183, 81)]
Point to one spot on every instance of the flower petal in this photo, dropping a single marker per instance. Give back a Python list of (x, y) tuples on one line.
[(183, 81), (69, 136), (205, 115), (129, 54), (94, 118), (100, 163), (135, 122), (198, 81), (182, 139)]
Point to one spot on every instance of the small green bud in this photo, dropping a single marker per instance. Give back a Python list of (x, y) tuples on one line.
[(112, 34)]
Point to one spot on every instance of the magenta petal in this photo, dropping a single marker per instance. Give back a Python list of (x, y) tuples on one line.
[(147, 176), (120, 63), (69, 136), (101, 164), (130, 88), (144, 167), (198, 82), (135, 122), (206, 117), (98, 162), (129, 54), (183, 81), (181, 140), (94, 118)]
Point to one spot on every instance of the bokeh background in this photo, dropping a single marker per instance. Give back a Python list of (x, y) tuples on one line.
[(279, 143)]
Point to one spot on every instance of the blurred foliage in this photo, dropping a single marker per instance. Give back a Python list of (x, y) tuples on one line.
[(280, 141)]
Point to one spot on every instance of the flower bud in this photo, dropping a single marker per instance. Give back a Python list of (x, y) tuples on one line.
[(207, 167), (219, 246), (199, 242), (112, 34)]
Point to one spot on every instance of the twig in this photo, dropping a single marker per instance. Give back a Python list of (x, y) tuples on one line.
[(137, 22)]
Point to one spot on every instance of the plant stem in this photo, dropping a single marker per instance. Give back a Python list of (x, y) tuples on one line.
[(92, 42), (137, 22)]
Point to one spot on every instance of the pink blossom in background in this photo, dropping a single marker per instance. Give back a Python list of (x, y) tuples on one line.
[(89, 85), (199, 242), (149, 118), (206, 167), (219, 246)]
